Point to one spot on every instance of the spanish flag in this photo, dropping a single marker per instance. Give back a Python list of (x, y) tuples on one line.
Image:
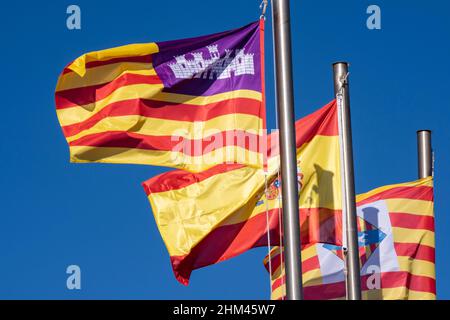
[(396, 249), (208, 217), (189, 104)]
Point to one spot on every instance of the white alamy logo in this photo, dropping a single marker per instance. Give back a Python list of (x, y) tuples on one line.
[(235, 62)]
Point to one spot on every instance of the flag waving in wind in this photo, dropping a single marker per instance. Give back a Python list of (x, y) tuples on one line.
[(190, 103), (208, 217), (396, 249)]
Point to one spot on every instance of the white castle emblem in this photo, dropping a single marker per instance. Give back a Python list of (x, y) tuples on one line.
[(215, 67)]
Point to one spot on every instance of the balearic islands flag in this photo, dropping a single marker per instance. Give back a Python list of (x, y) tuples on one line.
[(396, 243), (219, 213), (190, 103)]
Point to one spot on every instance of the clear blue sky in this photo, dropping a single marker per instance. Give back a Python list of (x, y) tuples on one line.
[(53, 213)]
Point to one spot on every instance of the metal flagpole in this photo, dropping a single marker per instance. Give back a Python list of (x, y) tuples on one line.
[(288, 158), (424, 153), (353, 278)]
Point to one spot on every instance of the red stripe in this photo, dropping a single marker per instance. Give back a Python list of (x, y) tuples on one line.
[(367, 225), (231, 240), (321, 122), (226, 242), (279, 282), (92, 64), (388, 280), (419, 193), (85, 95), (311, 264), (307, 265), (168, 111), (321, 225), (178, 179), (275, 261), (194, 147), (415, 251), (411, 221)]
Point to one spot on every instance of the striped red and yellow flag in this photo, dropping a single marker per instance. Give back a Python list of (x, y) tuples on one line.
[(217, 214), (397, 249), (189, 104), (310, 270)]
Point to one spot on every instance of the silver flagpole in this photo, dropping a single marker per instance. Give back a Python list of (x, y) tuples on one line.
[(341, 89), (424, 153), (288, 157)]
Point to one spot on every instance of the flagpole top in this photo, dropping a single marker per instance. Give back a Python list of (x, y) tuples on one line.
[(340, 62), (263, 7), (424, 154)]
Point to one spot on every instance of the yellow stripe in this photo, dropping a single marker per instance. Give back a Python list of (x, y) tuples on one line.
[(421, 182), (185, 222), (278, 293), (319, 164), (103, 74), (309, 252), (404, 235), (275, 251), (417, 267), (188, 129), (197, 192), (271, 204), (411, 206), (277, 273), (83, 154), (77, 114), (131, 50), (312, 278), (248, 212), (204, 100), (399, 293), (419, 295)]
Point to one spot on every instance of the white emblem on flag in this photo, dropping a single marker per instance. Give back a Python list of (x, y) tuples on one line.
[(235, 62), (383, 257)]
